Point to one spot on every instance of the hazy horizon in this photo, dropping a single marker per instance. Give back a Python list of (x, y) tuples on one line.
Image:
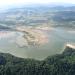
[(12, 3)]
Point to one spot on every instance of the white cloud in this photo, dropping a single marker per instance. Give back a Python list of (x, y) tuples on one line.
[(4, 3)]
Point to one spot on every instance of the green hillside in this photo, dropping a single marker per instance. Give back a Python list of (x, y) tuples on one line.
[(60, 64)]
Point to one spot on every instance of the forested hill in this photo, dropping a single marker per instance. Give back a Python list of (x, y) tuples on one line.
[(60, 64)]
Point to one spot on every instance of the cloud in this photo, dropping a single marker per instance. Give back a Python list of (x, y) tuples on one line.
[(9, 3)]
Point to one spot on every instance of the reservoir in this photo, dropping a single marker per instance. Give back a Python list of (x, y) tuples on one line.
[(51, 42)]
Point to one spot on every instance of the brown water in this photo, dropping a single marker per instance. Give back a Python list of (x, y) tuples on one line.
[(57, 38)]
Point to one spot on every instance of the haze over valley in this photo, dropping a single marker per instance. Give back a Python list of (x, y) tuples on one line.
[(37, 31)]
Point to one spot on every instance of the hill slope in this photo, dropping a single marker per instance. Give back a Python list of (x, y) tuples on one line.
[(61, 64)]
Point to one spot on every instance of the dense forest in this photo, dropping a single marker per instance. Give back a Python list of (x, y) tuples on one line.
[(59, 64)]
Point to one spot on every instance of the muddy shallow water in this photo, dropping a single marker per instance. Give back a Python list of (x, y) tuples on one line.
[(13, 42)]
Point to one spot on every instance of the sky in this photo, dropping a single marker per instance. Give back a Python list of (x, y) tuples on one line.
[(4, 3)]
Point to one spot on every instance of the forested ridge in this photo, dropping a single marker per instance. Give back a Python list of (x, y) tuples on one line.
[(59, 64)]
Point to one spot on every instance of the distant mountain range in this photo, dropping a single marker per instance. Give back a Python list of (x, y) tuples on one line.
[(56, 16), (4, 28)]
